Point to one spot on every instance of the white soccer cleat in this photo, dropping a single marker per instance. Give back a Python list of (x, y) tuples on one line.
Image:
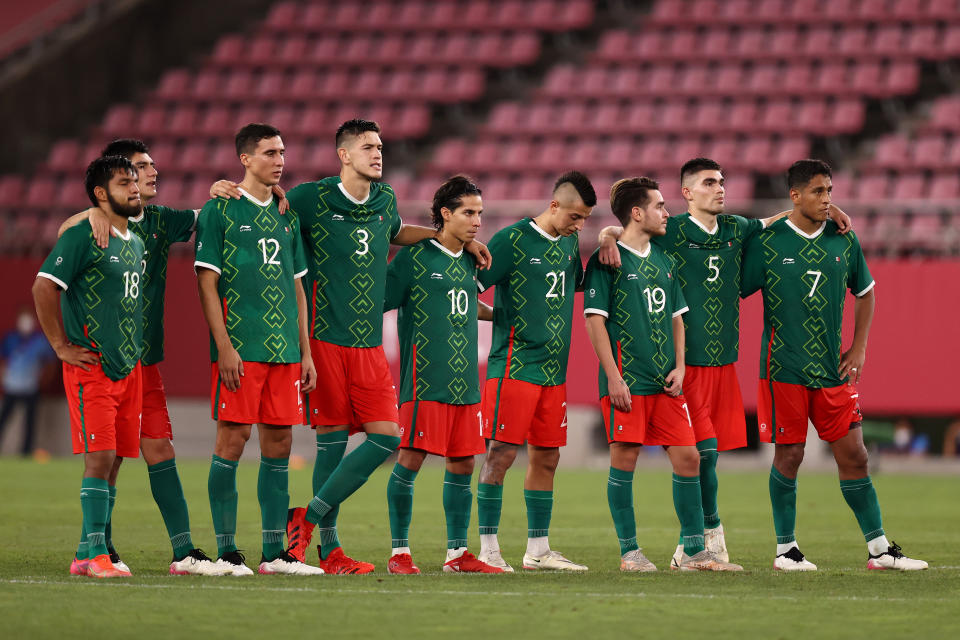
[(231, 563), (706, 561), (677, 558), (286, 564), (551, 560), (892, 558), (196, 563), (715, 543), (495, 559), (119, 564), (635, 561), (793, 560)]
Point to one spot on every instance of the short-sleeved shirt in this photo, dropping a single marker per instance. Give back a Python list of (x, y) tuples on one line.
[(536, 276), (639, 299), (708, 267), (102, 300), (348, 242), (158, 227), (436, 292), (804, 279), (258, 253)]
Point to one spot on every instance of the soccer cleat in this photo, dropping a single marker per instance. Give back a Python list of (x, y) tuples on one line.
[(468, 563), (197, 563), (299, 533), (706, 561), (117, 562), (677, 558), (402, 564), (715, 543), (232, 564), (288, 565), (495, 559), (101, 567), (635, 561), (551, 560), (892, 558), (340, 564), (793, 560), (79, 567)]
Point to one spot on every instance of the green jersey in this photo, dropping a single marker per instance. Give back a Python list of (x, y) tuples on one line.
[(708, 268), (536, 276), (436, 292), (804, 280), (258, 253), (348, 242), (639, 299), (102, 305), (158, 227)]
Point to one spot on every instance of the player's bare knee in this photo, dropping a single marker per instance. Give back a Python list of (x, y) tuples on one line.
[(411, 459), (500, 457), (460, 466), (98, 464), (545, 459), (156, 450), (787, 459)]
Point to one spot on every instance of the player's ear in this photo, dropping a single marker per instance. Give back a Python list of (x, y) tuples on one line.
[(685, 192), (795, 196), (343, 154), (446, 214), (100, 193)]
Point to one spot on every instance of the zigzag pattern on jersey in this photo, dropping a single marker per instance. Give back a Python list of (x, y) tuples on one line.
[(418, 295), (517, 299), (651, 272), (131, 344), (228, 274), (772, 301), (457, 339), (273, 316), (92, 277), (555, 322), (318, 237)]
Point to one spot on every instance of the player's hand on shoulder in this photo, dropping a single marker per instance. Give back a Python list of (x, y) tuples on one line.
[(674, 382), (851, 364), (225, 189), (609, 253), (308, 374), (282, 203), (620, 394), (230, 366), (77, 356), (844, 224), (480, 252)]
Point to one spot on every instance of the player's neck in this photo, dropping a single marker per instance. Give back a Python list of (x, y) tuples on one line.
[(117, 221), (545, 222), (804, 223), (260, 191), (705, 218), (356, 185), (449, 241), (635, 238)]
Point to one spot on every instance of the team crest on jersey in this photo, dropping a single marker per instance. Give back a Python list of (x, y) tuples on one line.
[(668, 275)]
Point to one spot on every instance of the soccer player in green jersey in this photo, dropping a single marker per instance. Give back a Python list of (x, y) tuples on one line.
[(536, 270), (158, 227), (434, 284), (249, 261), (634, 320), (707, 247), (804, 268), (348, 223), (99, 342)]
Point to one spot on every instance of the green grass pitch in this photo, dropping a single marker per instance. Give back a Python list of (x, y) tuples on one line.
[(40, 520)]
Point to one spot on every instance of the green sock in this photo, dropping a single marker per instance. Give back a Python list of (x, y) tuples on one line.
[(95, 502), (82, 548), (400, 504), (539, 509), (351, 473), (689, 508), (862, 498), (330, 449), (222, 487), (620, 499), (168, 494), (708, 482), (274, 501), (457, 500), (108, 529), (489, 505), (783, 499)]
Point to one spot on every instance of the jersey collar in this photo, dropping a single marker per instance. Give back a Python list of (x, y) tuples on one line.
[(447, 251), (139, 218), (120, 235), (703, 226), (349, 197), (254, 200), (544, 233), (639, 254), (808, 236)]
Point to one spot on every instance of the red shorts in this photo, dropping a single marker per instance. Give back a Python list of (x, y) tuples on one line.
[(354, 386), (268, 394), (104, 413), (451, 430), (515, 412), (154, 421), (656, 420), (715, 405), (832, 410)]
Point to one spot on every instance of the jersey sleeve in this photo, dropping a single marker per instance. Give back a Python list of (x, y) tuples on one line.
[(299, 253), (70, 256), (597, 287), (208, 252), (752, 273), (398, 277), (180, 223), (749, 227), (859, 280), (579, 273), (501, 249)]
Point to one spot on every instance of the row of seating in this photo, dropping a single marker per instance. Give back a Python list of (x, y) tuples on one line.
[(416, 15), (944, 115), (926, 151), (815, 116), (909, 185), (802, 79), (721, 42), (775, 12)]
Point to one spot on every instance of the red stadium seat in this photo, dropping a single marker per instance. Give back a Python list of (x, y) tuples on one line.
[(261, 50), (174, 84), (229, 50), (945, 115), (890, 152), (150, 120), (902, 78), (283, 16), (11, 188), (944, 186), (752, 43), (216, 122), (909, 186), (929, 151), (873, 187), (63, 157), (41, 192)]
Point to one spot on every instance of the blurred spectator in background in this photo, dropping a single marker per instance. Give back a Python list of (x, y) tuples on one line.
[(907, 442), (951, 440), (23, 354)]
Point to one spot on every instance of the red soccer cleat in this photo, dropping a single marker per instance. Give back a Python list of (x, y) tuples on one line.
[(339, 563), (468, 563), (402, 564), (299, 533), (79, 567)]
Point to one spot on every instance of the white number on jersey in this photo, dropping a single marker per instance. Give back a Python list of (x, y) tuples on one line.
[(362, 237), (558, 280), (656, 299), (816, 280), (459, 302), (131, 284), (714, 269), (274, 245)]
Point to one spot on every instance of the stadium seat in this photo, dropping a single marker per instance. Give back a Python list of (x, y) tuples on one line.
[(63, 157), (944, 186), (944, 115), (909, 186), (929, 151)]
